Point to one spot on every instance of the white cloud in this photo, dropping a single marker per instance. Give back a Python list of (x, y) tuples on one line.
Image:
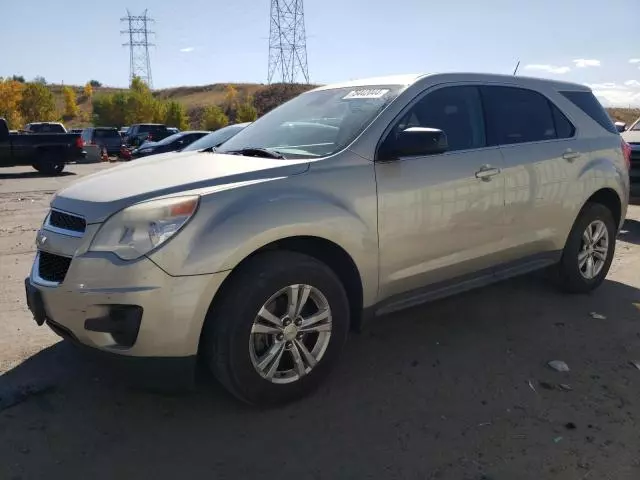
[(617, 95), (548, 68), (634, 60), (187, 49), (583, 63)]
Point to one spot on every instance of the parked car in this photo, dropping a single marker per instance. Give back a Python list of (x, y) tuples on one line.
[(260, 257), (45, 127), (173, 130), (107, 137), (632, 136), (171, 143), (214, 139), (76, 130), (123, 131), (139, 133), (46, 152)]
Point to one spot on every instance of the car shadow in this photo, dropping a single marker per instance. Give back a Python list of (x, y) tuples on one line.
[(34, 174), (438, 391), (630, 231)]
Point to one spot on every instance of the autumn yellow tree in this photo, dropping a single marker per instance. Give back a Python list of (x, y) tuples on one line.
[(176, 116), (37, 103), (246, 112), (88, 90), (10, 97), (70, 103), (230, 101), (214, 118)]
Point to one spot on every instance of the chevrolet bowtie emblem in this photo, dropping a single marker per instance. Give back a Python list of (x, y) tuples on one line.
[(41, 239)]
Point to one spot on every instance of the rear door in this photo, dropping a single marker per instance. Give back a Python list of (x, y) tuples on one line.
[(540, 150)]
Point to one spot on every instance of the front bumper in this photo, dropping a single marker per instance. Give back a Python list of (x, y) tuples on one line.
[(130, 309)]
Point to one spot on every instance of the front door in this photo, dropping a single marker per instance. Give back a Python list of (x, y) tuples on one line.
[(440, 216)]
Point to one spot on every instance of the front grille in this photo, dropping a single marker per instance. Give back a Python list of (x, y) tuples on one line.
[(67, 221), (53, 268)]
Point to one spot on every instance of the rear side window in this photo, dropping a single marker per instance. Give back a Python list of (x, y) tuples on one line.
[(517, 115), (589, 104)]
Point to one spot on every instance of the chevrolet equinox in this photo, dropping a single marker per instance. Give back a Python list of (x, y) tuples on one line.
[(350, 200)]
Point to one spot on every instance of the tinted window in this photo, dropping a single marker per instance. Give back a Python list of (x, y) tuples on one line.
[(106, 133), (564, 128), (516, 115), (457, 111), (589, 104), (151, 128)]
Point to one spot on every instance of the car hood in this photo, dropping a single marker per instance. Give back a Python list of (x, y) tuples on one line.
[(98, 196), (631, 136)]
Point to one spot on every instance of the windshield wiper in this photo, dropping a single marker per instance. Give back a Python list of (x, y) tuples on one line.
[(257, 152), (208, 149)]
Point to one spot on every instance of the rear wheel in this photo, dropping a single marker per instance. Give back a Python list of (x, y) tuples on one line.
[(49, 165), (278, 329), (589, 250)]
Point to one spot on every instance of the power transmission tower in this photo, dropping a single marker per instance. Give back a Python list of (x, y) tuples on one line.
[(139, 33), (287, 42)]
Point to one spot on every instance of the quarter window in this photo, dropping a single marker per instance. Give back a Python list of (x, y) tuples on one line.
[(517, 115), (457, 111)]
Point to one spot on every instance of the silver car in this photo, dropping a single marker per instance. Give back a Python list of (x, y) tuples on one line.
[(348, 201)]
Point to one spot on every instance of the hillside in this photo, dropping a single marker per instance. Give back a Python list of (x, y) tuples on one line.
[(197, 97), (193, 98)]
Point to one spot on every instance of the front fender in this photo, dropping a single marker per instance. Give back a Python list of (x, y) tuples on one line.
[(220, 241)]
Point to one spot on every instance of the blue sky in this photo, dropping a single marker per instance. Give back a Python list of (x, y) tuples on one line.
[(208, 41)]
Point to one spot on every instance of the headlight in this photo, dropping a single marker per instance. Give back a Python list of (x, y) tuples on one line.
[(136, 230)]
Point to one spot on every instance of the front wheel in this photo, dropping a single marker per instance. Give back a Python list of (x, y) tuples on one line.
[(589, 250), (278, 329)]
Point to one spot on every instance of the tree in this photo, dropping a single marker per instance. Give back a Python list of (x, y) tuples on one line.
[(88, 90), (246, 112), (176, 116), (214, 118), (10, 97), (37, 103), (70, 104), (18, 78), (40, 80), (271, 96), (230, 101), (95, 83)]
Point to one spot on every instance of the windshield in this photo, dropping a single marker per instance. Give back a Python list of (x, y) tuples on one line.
[(315, 124), (215, 138), (170, 139)]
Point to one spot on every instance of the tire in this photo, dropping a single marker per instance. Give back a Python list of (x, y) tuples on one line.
[(573, 274), (231, 351), (49, 165)]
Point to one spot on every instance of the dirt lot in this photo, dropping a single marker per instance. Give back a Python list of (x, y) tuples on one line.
[(458, 389)]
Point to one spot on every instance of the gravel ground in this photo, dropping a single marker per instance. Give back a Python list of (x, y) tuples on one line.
[(459, 389)]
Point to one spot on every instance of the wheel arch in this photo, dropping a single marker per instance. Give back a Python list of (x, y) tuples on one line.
[(610, 199), (323, 250)]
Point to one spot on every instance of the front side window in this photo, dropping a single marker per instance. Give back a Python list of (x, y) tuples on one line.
[(457, 111), (315, 124), (517, 115)]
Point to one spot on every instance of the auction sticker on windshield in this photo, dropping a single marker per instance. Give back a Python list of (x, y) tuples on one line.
[(366, 93)]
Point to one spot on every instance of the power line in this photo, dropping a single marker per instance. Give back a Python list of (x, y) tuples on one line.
[(139, 33), (287, 42)]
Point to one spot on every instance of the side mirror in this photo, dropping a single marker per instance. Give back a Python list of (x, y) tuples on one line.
[(420, 141), (621, 126)]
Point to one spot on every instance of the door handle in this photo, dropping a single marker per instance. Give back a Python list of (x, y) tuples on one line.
[(486, 172), (570, 155)]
